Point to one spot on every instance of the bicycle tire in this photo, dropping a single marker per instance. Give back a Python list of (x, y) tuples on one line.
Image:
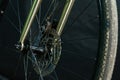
[(108, 40), (108, 51)]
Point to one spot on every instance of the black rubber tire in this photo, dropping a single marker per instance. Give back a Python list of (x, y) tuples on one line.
[(108, 39)]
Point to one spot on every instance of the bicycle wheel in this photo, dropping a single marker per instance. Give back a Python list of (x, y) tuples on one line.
[(81, 41)]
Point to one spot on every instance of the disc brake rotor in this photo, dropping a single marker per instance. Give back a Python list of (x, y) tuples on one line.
[(48, 59)]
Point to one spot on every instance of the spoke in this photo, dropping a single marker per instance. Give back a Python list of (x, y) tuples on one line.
[(34, 58), (14, 26), (19, 18), (13, 7), (18, 64), (26, 66), (39, 20), (37, 65), (17, 13), (78, 16), (39, 14), (51, 15), (10, 48), (78, 39), (47, 11), (74, 74), (56, 77), (68, 52)]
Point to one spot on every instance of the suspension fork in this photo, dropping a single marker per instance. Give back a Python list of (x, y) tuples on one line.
[(64, 16), (35, 6)]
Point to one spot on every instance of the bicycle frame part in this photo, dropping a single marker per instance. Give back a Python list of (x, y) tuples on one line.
[(35, 6), (64, 16), (28, 23)]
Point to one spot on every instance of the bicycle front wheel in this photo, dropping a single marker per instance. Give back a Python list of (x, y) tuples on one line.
[(86, 48)]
